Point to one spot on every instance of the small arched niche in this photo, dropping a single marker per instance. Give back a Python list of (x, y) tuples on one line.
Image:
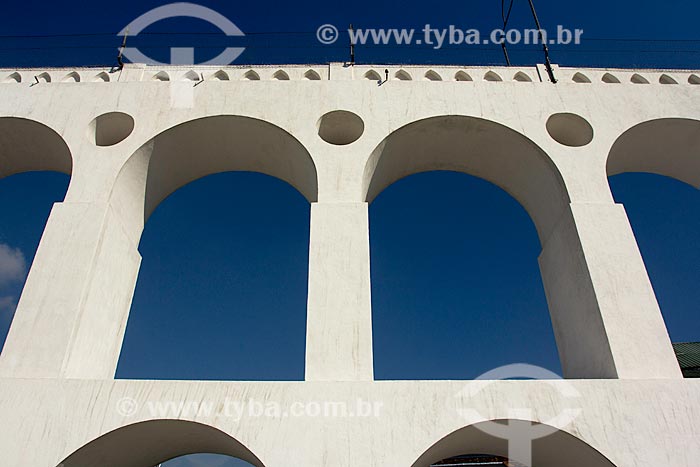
[(610, 79), (372, 76), (492, 76), (580, 78), (191, 76), (522, 77), (110, 128), (251, 75), (462, 76), (694, 79), (666, 79), (639, 79), (72, 77), (101, 78), (340, 127), (402, 75), (281, 75), (220, 75), (13, 78), (43, 78), (311, 75), (161, 76), (432, 75)]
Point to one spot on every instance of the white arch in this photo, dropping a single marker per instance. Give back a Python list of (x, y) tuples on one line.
[(27, 146), (667, 146), (223, 143), (478, 147), (152, 442), (558, 448)]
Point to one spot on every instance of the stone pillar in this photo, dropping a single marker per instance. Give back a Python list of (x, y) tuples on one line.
[(71, 316), (339, 316), (605, 315)]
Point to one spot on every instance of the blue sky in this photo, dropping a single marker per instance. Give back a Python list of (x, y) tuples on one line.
[(222, 290)]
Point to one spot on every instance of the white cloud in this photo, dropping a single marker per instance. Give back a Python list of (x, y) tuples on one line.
[(13, 266)]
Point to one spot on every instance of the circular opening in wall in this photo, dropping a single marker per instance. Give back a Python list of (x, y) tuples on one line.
[(340, 127), (570, 129), (110, 128)]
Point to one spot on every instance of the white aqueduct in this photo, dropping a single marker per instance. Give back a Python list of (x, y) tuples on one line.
[(130, 138)]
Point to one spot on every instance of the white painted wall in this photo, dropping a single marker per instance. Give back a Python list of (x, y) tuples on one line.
[(58, 363)]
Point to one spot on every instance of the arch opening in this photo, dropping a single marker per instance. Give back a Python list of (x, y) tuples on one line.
[(665, 217), (222, 291), (650, 167), (150, 443), (551, 447), (434, 277), (26, 146), (456, 287), (165, 166)]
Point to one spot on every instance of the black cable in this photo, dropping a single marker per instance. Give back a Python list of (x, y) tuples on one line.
[(505, 17)]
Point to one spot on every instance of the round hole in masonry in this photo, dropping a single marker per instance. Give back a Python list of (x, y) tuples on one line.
[(110, 128), (570, 129), (340, 127)]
